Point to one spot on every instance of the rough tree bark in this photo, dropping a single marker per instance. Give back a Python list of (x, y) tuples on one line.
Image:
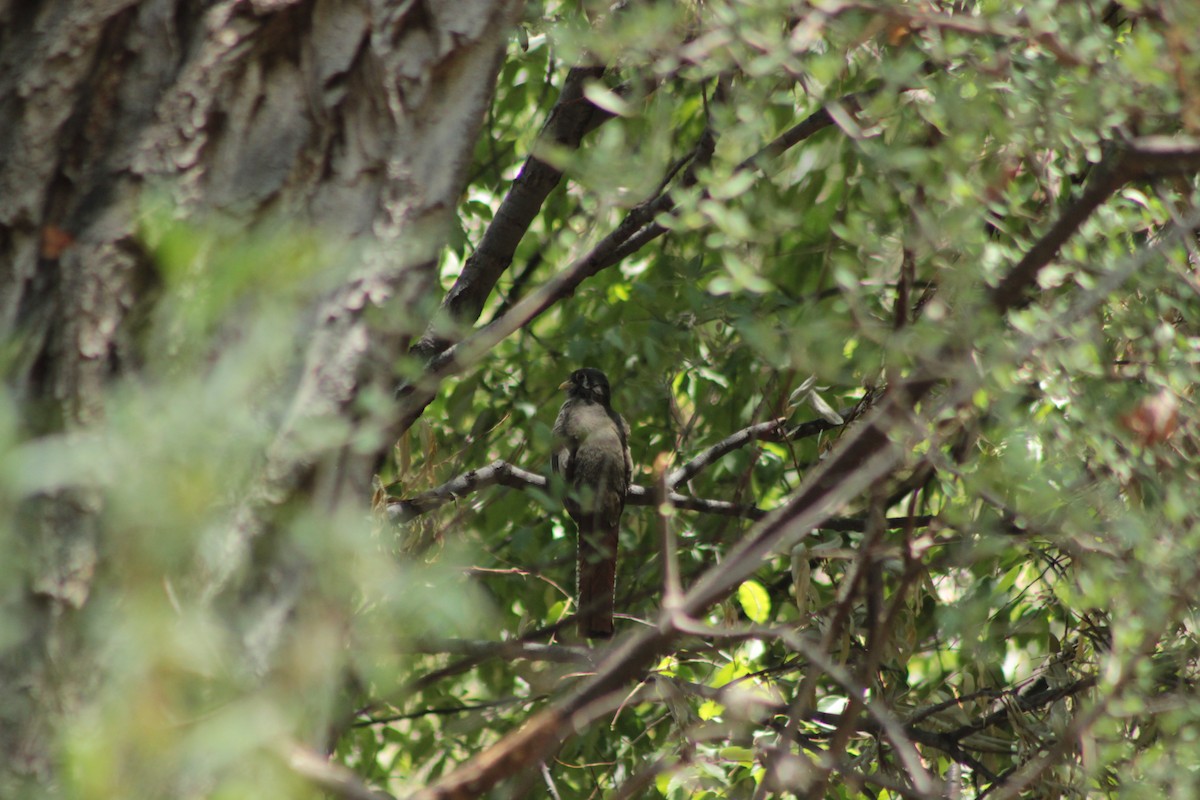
[(354, 117)]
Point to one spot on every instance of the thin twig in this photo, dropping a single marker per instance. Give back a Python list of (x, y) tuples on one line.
[(441, 711), (514, 650)]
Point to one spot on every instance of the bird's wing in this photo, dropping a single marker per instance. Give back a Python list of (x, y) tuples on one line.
[(624, 428), (561, 457)]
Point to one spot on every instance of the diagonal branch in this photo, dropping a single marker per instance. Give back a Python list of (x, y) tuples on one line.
[(772, 430), (572, 118), (1145, 157), (1108, 176), (466, 353)]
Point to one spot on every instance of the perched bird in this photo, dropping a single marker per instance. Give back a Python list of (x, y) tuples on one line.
[(592, 452)]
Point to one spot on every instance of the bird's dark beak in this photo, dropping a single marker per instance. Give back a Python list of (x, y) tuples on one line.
[(565, 385)]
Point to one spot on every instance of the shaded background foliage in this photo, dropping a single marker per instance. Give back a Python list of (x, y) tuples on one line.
[(980, 241)]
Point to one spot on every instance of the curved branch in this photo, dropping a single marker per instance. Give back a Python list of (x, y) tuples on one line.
[(502, 473), (772, 430), (498, 472)]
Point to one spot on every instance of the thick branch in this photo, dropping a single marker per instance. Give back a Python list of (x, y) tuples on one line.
[(1014, 290), (572, 117), (1151, 156), (814, 123)]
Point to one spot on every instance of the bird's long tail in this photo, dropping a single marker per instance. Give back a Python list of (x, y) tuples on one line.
[(597, 578)]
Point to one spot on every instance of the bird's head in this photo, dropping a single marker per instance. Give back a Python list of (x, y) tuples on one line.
[(588, 384)]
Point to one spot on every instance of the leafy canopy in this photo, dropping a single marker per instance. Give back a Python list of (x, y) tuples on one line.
[(1011, 599)]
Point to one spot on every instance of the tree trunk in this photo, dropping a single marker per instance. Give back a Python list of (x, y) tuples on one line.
[(355, 118)]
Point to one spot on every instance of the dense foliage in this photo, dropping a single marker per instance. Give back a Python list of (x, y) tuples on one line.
[(972, 225)]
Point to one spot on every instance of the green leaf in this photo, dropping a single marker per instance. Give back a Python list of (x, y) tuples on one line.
[(743, 755), (754, 601), (605, 98)]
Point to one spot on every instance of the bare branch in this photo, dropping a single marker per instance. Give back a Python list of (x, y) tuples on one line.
[(513, 651), (550, 787), (498, 472), (502, 473), (720, 508), (1151, 156), (771, 430)]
